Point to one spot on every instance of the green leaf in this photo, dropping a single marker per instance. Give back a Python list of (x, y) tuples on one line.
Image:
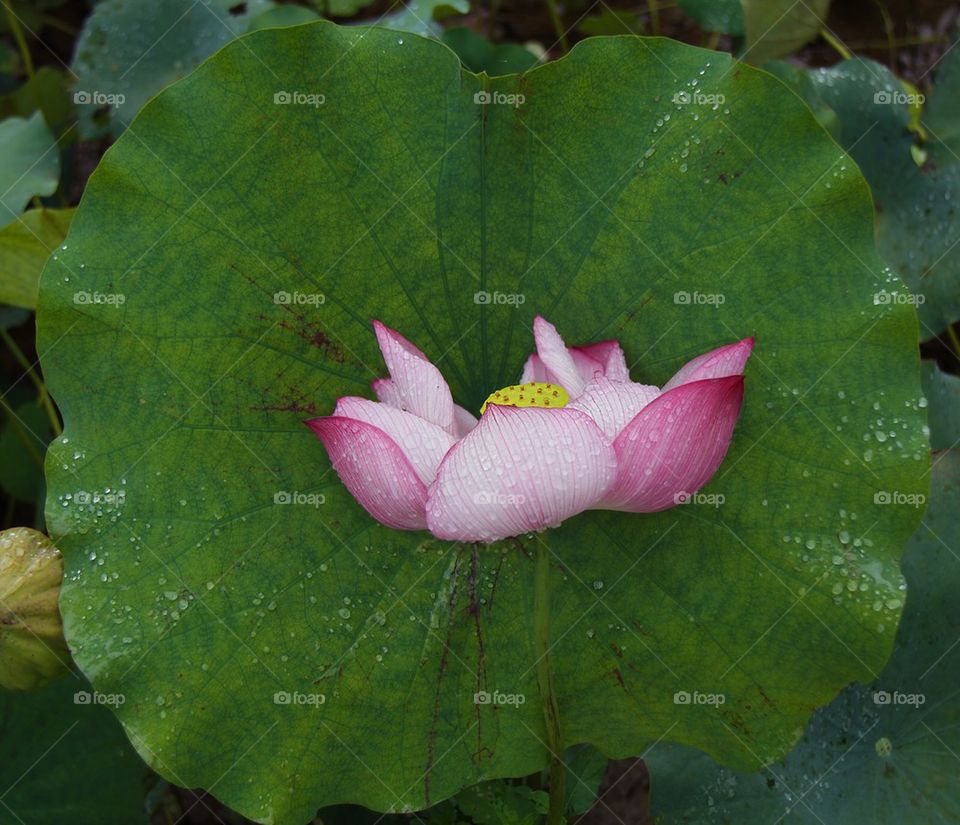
[(941, 117), (283, 16), (610, 22), (25, 245), (422, 16), (46, 91), (799, 80), (777, 28), (401, 198), (586, 767), (480, 55), (942, 391), (916, 208), (127, 52), (501, 803), (64, 759), (29, 164), (881, 753), (724, 16)]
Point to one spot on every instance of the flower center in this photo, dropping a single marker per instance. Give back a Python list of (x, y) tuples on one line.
[(534, 394)]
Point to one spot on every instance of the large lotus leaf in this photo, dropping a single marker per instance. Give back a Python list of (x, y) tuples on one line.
[(884, 754), (231, 253), (916, 207), (776, 28), (127, 52), (64, 759), (941, 118), (30, 163)]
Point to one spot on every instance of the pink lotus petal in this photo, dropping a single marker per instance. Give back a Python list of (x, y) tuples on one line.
[(463, 421), (718, 363), (675, 444), (587, 366), (424, 444), (375, 471), (556, 357), (387, 392), (521, 469), (610, 356), (613, 404), (534, 370), (418, 386)]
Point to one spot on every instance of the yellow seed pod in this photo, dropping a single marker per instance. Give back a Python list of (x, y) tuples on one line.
[(533, 394)]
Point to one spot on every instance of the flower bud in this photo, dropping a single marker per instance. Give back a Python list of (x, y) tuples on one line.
[(33, 651)]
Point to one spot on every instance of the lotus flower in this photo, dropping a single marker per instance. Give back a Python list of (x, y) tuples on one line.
[(575, 434)]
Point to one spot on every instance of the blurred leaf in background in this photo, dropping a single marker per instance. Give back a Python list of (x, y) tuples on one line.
[(25, 245), (29, 163), (776, 28), (480, 55)]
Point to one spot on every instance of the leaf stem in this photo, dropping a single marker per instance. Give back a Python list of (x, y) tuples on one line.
[(952, 335), (37, 382), (558, 25), (17, 33), (842, 50), (551, 713), (653, 8)]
